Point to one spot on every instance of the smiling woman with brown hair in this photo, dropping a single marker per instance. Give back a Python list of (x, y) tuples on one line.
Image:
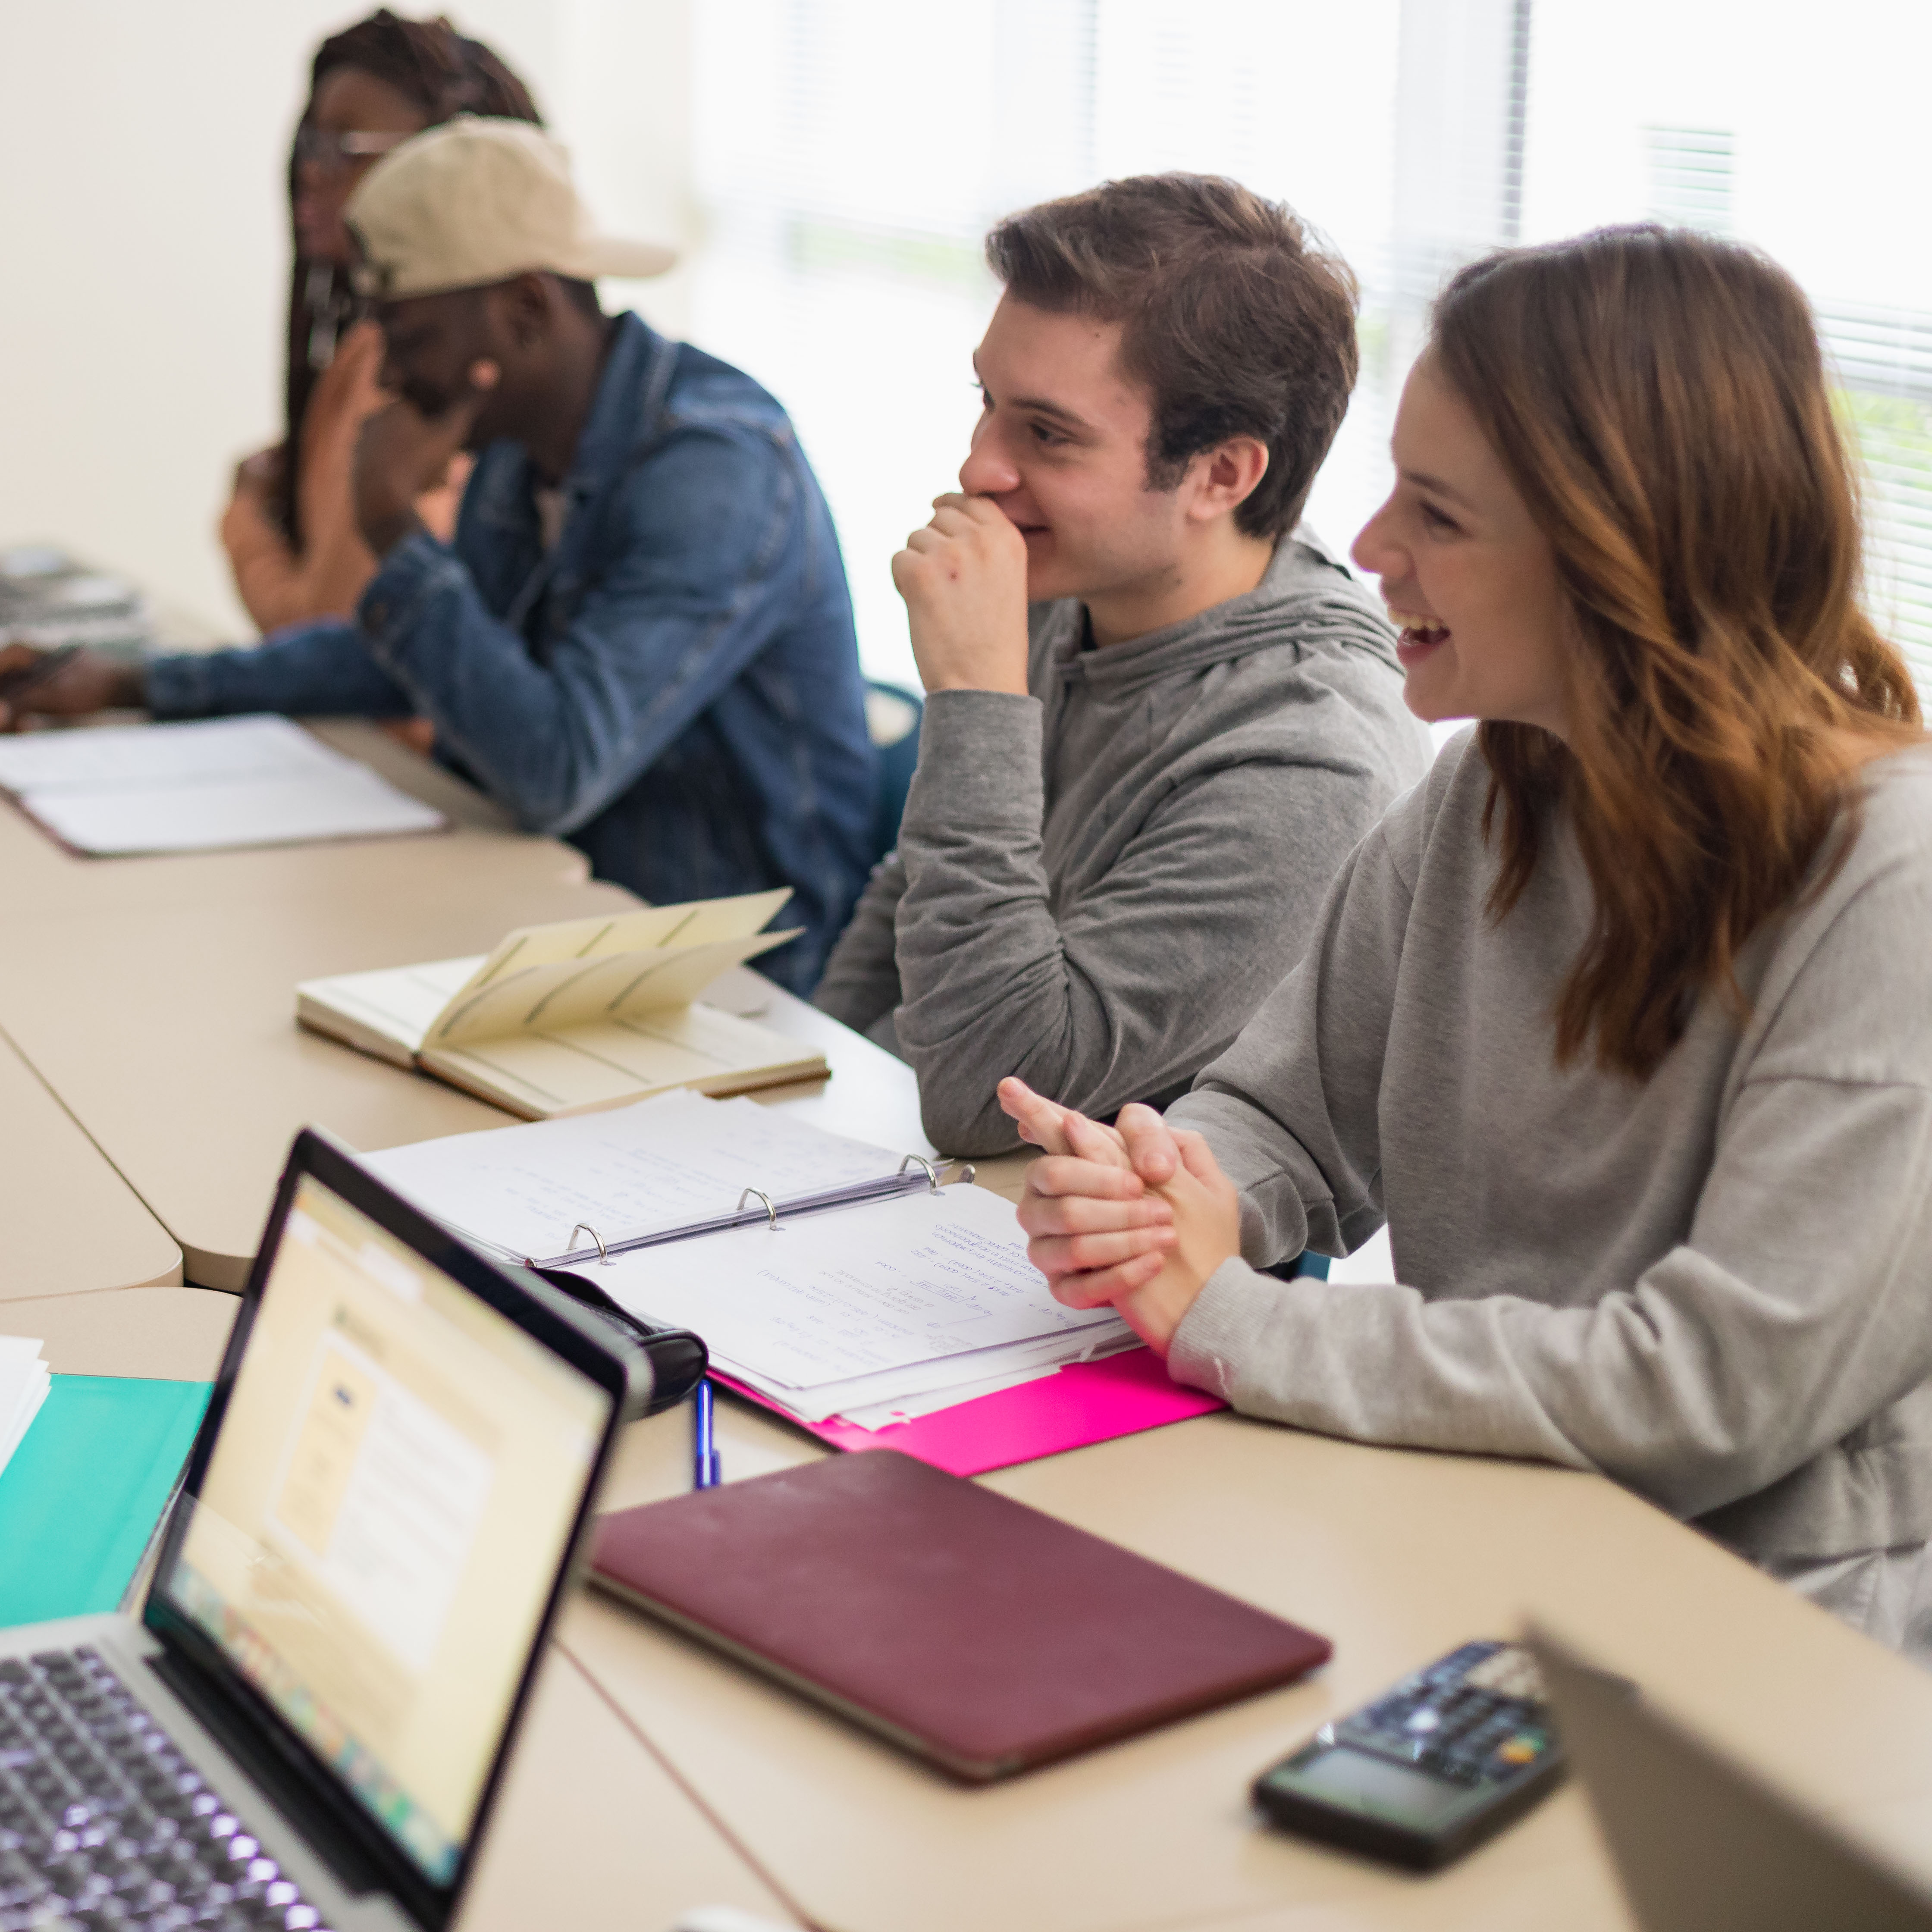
[(1623, 1019)]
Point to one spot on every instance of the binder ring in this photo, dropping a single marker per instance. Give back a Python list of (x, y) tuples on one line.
[(771, 1212), (603, 1252), (919, 1160)]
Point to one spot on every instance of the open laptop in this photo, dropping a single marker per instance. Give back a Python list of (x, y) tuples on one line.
[(306, 1724), (1701, 1844)]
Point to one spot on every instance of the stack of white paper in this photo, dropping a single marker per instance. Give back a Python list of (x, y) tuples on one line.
[(23, 1387), (219, 783), (873, 1312)]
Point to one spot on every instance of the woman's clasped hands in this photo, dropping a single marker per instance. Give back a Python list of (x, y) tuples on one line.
[(1138, 1214)]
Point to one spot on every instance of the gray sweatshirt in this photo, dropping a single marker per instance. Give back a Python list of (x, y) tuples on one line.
[(1715, 1285), (1096, 885)]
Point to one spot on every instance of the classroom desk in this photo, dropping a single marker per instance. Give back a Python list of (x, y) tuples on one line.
[(181, 1058), (591, 1830), (870, 1095), (481, 840), (73, 1226), (1398, 1555), (178, 1051), (581, 1777), (172, 1334), (1374, 1548), (166, 1023)]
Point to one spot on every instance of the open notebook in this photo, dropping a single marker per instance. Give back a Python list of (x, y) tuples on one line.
[(836, 1283), (582, 1014), (214, 784)]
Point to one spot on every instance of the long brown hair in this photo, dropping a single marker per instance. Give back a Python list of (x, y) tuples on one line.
[(430, 63), (1659, 400)]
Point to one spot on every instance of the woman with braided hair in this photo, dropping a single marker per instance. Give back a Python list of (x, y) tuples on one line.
[(289, 531)]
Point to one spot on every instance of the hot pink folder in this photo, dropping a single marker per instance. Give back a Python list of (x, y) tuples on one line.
[(1086, 1402)]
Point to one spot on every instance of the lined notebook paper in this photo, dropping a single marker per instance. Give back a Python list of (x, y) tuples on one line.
[(878, 1309), (212, 784)]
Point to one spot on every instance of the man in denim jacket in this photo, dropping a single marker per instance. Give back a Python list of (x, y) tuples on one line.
[(641, 638)]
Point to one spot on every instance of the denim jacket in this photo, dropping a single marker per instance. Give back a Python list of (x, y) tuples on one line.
[(675, 687)]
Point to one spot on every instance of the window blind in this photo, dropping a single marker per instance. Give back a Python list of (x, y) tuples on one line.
[(852, 153), (1883, 360)]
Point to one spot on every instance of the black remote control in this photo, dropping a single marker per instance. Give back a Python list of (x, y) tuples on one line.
[(1434, 1766)]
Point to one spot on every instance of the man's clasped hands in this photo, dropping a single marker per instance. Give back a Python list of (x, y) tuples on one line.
[(1138, 1214)]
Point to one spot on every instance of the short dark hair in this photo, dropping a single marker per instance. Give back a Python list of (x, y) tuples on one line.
[(1238, 320)]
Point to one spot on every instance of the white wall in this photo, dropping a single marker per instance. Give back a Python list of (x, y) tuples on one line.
[(144, 240)]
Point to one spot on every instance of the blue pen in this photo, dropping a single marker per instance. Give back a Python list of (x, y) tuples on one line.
[(706, 1474)]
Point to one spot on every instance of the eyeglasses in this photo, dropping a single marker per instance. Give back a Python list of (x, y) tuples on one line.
[(334, 154)]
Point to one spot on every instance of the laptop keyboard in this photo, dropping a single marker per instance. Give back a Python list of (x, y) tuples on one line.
[(104, 1824)]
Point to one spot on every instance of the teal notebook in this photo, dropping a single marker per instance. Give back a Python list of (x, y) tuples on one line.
[(83, 1491)]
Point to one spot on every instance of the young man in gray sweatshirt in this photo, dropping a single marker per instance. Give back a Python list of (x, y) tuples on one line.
[(1132, 795)]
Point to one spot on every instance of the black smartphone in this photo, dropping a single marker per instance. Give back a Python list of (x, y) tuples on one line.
[(1434, 1765)]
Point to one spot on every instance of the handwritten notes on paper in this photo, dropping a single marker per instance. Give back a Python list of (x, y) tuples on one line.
[(662, 1163), (889, 1300), (832, 1296)]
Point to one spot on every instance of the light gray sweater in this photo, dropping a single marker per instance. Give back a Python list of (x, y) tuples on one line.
[(1715, 1285), (1096, 885)]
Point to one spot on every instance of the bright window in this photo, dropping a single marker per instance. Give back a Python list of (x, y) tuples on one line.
[(852, 153)]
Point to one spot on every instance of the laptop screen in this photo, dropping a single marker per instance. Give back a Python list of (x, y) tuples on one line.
[(383, 1516)]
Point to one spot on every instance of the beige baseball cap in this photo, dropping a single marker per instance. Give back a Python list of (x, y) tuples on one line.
[(476, 201)]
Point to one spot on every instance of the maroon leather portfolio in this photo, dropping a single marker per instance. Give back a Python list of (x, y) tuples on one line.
[(969, 1629)]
